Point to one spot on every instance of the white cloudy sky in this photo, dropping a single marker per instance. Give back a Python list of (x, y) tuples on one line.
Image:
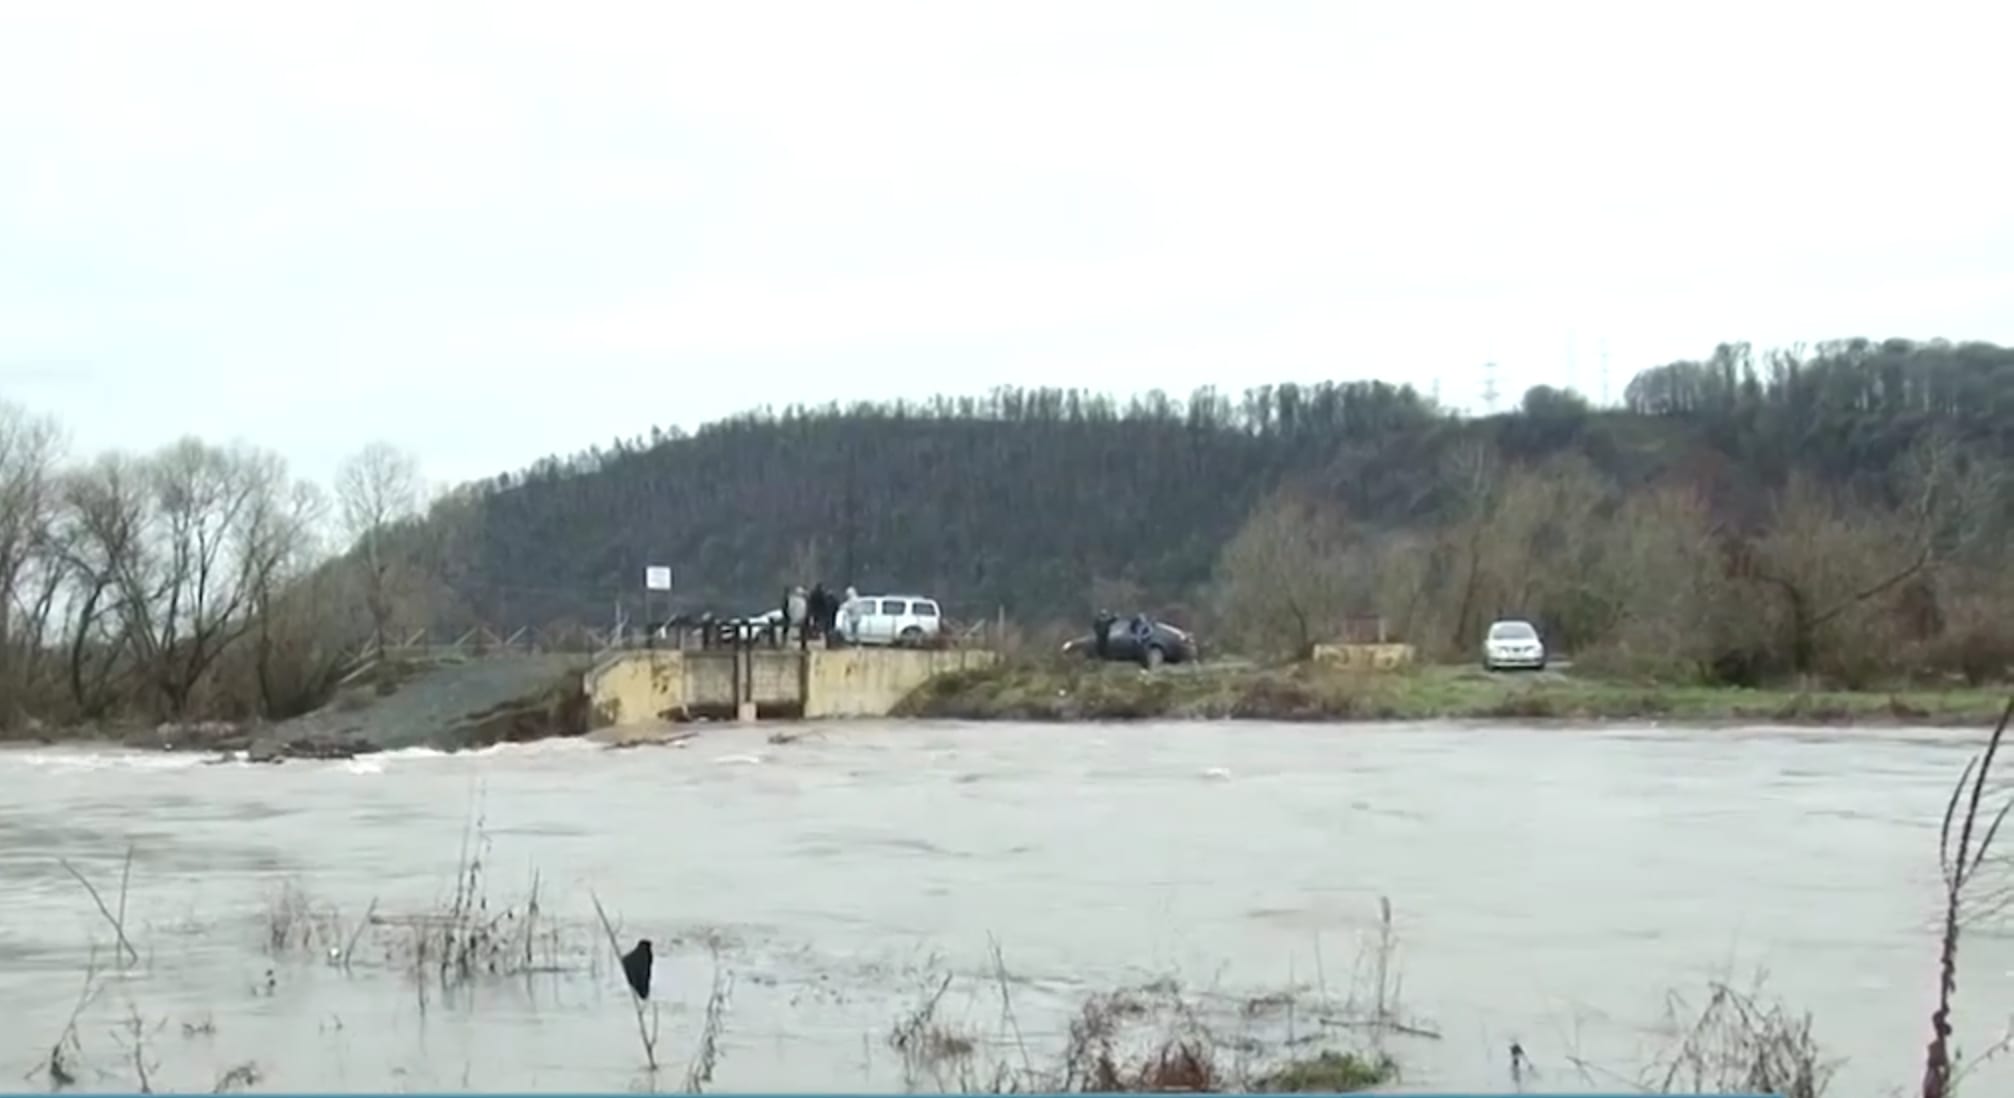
[(492, 230)]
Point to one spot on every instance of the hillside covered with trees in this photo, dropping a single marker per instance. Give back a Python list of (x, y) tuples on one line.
[(1833, 512)]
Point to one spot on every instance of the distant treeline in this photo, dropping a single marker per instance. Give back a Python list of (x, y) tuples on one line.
[(1049, 503), (1025, 498)]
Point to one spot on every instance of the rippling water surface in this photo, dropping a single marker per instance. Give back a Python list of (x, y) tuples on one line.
[(1549, 886)]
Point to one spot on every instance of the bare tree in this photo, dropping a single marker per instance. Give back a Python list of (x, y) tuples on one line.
[(1537, 546), (104, 516), (278, 544), (185, 555), (1406, 566), (29, 449), (41, 590), (1656, 581), (1517, 541), (1473, 470), (1828, 558), (377, 489), (172, 551), (1286, 575)]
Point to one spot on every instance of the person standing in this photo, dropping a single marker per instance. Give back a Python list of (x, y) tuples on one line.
[(847, 612), (819, 609), (795, 612)]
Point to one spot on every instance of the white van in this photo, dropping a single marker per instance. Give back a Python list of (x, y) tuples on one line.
[(889, 619)]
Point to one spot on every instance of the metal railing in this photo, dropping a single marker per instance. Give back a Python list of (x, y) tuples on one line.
[(676, 634)]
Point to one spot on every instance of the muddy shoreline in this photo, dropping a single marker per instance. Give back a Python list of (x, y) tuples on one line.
[(447, 706), (228, 741)]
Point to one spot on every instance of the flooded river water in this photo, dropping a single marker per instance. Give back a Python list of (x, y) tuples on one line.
[(1550, 887)]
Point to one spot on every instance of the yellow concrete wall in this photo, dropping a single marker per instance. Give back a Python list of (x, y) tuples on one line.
[(635, 688), (1365, 657), (868, 682), (776, 676), (641, 687), (709, 678)]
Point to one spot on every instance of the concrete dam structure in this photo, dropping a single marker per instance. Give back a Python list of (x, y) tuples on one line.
[(645, 686)]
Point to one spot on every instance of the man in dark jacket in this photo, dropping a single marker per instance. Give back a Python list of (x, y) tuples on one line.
[(819, 610), (1101, 629)]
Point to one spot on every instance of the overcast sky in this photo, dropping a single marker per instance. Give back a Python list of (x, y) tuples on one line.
[(489, 231)]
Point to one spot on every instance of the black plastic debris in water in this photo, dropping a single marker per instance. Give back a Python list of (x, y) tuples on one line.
[(636, 968)]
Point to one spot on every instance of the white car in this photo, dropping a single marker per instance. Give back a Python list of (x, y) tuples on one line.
[(889, 619), (1511, 644)]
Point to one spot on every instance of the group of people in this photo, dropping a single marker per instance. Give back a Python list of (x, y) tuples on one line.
[(814, 614)]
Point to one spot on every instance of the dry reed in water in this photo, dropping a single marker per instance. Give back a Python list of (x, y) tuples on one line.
[(1960, 865), (118, 921), (646, 1033), (699, 1073)]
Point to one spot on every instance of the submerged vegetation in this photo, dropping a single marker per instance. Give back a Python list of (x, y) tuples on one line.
[(1330, 1072), (1155, 1036), (467, 939)]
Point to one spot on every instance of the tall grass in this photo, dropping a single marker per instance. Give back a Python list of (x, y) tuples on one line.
[(1161, 1036), (469, 937), (1736, 1043), (1961, 862)]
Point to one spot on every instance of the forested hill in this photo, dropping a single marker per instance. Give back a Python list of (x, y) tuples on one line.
[(1031, 500)]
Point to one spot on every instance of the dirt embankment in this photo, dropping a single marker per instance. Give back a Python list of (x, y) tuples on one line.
[(448, 705)]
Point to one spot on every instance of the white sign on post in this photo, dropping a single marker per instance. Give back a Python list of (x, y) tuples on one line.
[(657, 577)]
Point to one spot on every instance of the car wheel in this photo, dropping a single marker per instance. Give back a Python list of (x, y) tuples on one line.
[(912, 636), (1152, 657)]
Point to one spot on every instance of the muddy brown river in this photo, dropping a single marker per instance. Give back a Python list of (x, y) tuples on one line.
[(1553, 887)]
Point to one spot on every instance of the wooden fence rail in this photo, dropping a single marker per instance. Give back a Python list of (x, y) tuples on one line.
[(483, 641)]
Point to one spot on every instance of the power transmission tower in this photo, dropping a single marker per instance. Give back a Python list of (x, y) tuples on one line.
[(1490, 386)]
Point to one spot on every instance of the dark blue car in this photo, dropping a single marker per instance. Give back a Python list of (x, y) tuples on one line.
[(1138, 639)]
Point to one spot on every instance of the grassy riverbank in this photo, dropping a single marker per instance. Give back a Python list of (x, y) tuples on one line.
[(1053, 691)]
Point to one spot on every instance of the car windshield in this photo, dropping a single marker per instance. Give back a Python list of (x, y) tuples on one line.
[(1512, 631)]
